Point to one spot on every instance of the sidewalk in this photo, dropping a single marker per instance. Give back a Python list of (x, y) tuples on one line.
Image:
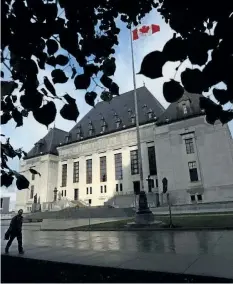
[(189, 264)]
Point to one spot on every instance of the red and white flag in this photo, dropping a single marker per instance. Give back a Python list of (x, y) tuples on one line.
[(145, 31)]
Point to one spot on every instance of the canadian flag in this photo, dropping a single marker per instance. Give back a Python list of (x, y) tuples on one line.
[(144, 31)]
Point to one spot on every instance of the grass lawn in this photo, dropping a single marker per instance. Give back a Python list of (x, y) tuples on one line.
[(220, 220)]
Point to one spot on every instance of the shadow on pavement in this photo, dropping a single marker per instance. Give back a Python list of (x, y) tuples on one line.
[(23, 270)]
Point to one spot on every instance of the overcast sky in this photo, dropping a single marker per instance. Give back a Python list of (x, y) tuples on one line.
[(32, 131)]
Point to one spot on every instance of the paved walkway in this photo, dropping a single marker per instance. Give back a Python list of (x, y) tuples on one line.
[(198, 253)]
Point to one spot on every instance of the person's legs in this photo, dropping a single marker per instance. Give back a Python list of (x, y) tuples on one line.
[(9, 243), (20, 243)]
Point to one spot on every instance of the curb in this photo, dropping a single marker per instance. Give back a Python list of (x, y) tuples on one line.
[(141, 229)]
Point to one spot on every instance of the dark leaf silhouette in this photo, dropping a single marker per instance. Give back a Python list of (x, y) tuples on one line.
[(70, 111), (49, 86), (7, 87), (91, 69), (31, 101), (192, 80), (62, 60), (52, 46), (175, 49), (22, 182), (226, 116), (223, 96), (109, 67), (18, 118), (90, 98), (6, 179), (5, 117), (14, 98), (82, 81), (59, 76), (106, 81), (46, 114), (114, 89), (33, 171), (106, 96), (44, 91), (172, 91), (152, 65), (51, 61), (69, 99)]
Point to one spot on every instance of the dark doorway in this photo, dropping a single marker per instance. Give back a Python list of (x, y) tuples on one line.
[(136, 187), (76, 194)]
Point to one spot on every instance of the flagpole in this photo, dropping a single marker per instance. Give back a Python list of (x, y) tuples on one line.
[(137, 118)]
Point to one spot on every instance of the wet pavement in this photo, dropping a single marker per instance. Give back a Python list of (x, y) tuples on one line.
[(174, 242), (208, 253)]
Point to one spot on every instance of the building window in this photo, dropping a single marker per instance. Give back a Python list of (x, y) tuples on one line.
[(76, 172), (121, 187), (64, 175), (103, 169), (87, 190), (32, 192), (152, 161), (62, 193), (76, 194), (193, 198), (185, 110), (189, 145), (134, 162), (33, 176), (116, 187), (193, 171), (118, 166), (89, 171), (1, 202), (133, 119), (136, 187), (105, 188), (118, 122), (101, 189), (90, 190), (199, 197), (157, 183)]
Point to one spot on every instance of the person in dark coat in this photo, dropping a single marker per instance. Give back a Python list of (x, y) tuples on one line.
[(15, 231)]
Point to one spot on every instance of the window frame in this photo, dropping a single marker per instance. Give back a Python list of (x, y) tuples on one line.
[(76, 172), (64, 175), (103, 169), (189, 145), (193, 172), (118, 166), (134, 162), (89, 171)]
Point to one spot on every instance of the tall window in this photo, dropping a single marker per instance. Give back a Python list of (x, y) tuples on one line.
[(1, 202), (105, 188), (193, 171), (64, 175), (152, 160), (76, 194), (76, 172), (89, 171), (103, 169), (189, 146), (32, 192), (185, 110), (118, 166), (134, 162)]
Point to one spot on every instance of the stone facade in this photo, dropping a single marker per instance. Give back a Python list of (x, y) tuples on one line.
[(213, 154), (195, 157)]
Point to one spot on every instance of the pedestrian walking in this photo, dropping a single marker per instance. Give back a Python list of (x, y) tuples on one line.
[(15, 231)]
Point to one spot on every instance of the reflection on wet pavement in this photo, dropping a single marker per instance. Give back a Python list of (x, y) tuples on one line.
[(177, 242)]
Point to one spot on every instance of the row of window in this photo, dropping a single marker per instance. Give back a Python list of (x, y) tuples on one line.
[(118, 167)]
